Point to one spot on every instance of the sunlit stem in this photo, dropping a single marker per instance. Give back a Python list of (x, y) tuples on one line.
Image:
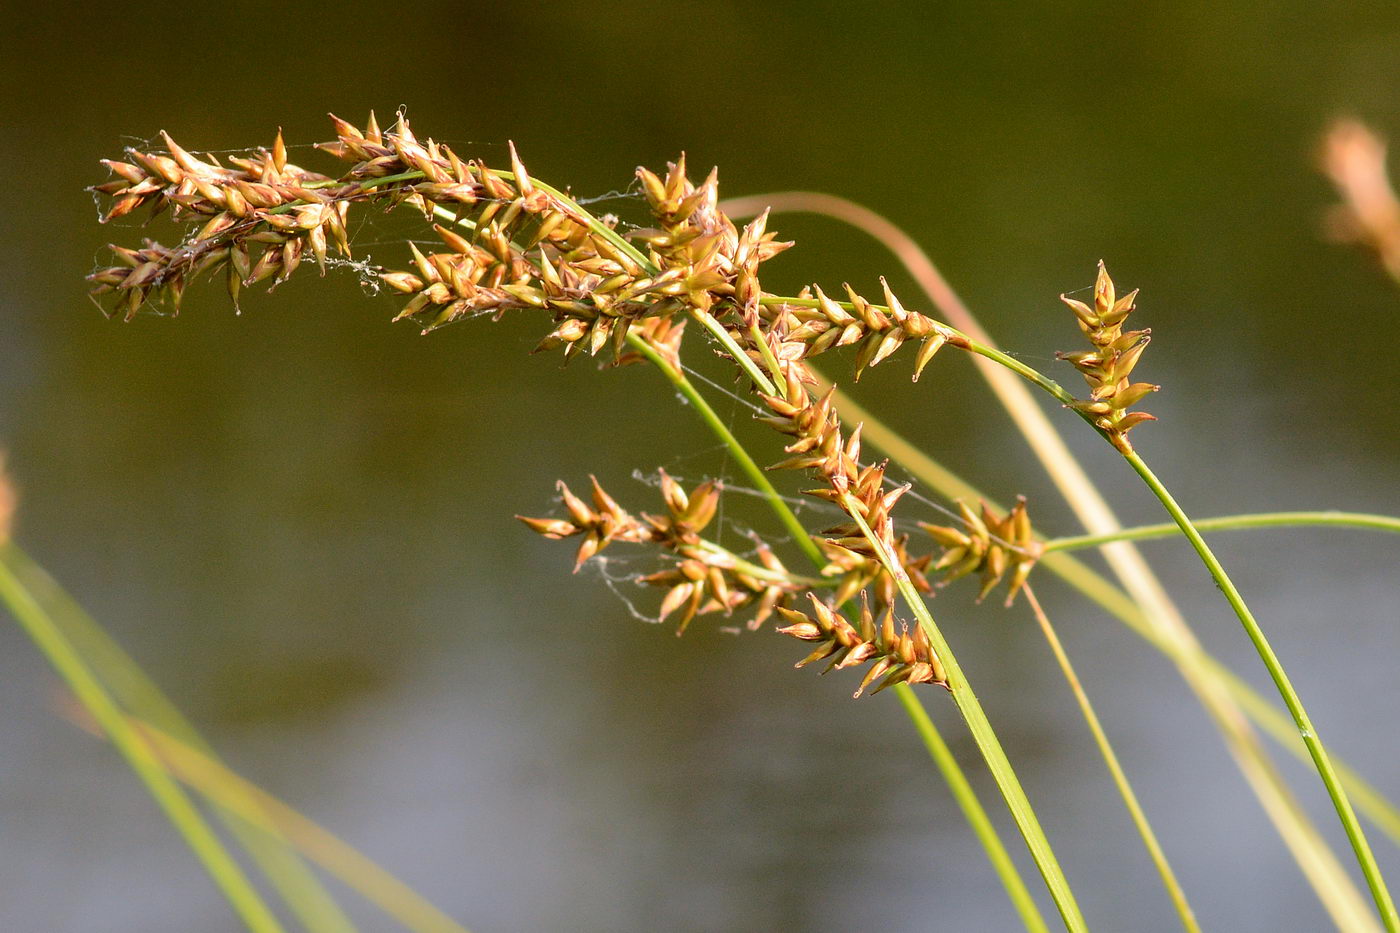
[(1356, 520), (980, 727)]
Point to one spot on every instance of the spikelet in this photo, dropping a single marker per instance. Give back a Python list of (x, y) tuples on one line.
[(996, 547), (703, 577), (895, 656), (1107, 366)]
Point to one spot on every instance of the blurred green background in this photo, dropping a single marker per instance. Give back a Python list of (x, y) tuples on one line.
[(299, 519)]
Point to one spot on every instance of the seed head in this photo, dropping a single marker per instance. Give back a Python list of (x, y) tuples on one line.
[(1106, 367), (993, 546)]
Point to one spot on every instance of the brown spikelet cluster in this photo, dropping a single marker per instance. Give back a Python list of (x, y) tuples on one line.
[(818, 447), (517, 244), (255, 217), (1109, 364), (815, 323), (511, 242), (704, 577), (991, 546), (899, 657)]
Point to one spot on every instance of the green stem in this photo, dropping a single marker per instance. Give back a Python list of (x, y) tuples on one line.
[(183, 815), (744, 361), (946, 763), (133, 691), (1384, 903), (1115, 768), (1358, 520), (759, 572), (801, 537), (972, 808), (980, 727)]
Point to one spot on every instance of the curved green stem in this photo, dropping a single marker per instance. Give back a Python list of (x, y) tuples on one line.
[(1093, 585), (1115, 768), (178, 809), (1384, 903), (980, 727), (1359, 520)]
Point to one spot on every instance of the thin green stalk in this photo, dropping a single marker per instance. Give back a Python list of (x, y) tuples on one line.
[(1358, 520), (759, 572), (1115, 768), (980, 727), (235, 793), (801, 537), (946, 763), (972, 810), (1384, 903), (131, 689), (183, 815), (750, 368)]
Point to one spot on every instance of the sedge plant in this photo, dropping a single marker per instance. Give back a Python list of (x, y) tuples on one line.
[(513, 244)]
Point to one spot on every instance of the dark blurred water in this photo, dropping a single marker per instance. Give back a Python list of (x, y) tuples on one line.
[(299, 519)]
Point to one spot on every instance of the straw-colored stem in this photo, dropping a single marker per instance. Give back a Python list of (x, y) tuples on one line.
[(1115, 768), (1357, 520), (980, 727), (178, 809), (1316, 750)]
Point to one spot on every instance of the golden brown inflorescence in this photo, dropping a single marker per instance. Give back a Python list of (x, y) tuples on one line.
[(514, 243), (990, 545), (1108, 365), (703, 577), (895, 657)]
